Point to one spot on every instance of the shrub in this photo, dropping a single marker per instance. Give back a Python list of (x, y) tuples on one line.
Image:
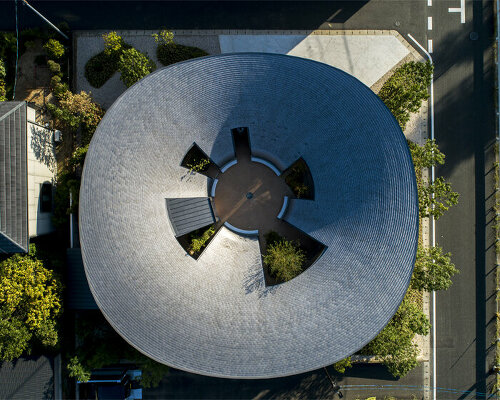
[(285, 259), (54, 48), (199, 165), (342, 365), (164, 37), (78, 157), (77, 370), (394, 344), (59, 90), (405, 90), (3, 73), (172, 53), (113, 43), (134, 66), (100, 68), (54, 67), (55, 80), (199, 239)]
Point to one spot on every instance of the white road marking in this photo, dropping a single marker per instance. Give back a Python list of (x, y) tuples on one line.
[(460, 10), (429, 23), (429, 3), (429, 45), (433, 222)]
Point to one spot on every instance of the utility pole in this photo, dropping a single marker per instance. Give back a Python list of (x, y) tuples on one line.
[(45, 19)]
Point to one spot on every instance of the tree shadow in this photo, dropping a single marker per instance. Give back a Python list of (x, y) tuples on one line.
[(42, 146)]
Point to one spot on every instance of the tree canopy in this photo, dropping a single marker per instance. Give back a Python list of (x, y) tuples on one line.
[(134, 66), (433, 270), (285, 259), (405, 90), (30, 301)]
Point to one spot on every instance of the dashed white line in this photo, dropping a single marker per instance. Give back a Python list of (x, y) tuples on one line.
[(429, 46), (429, 23)]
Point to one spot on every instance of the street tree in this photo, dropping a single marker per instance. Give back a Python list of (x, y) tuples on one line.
[(433, 270)]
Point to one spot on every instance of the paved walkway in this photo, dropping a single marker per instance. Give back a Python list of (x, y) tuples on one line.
[(367, 55)]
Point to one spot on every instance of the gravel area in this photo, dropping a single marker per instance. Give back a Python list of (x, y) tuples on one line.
[(90, 43)]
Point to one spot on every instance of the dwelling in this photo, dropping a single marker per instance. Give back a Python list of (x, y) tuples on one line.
[(27, 174), (215, 314)]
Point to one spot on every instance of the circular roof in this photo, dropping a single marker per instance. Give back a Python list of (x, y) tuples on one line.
[(215, 315)]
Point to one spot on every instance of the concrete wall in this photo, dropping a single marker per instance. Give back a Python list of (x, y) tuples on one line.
[(41, 169)]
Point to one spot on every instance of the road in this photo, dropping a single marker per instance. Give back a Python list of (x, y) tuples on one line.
[(464, 129), (465, 132)]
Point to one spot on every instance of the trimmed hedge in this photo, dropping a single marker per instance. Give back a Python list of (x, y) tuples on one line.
[(172, 53), (100, 68)]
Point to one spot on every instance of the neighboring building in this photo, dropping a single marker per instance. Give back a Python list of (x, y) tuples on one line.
[(27, 175), (29, 378)]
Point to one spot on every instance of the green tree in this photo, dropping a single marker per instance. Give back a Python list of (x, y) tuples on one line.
[(77, 111), (113, 43), (164, 37), (394, 345), (285, 259), (3, 74), (433, 270), (426, 156), (30, 301), (436, 198), (77, 370), (101, 346), (134, 66), (342, 365), (405, 90), (54, 49)]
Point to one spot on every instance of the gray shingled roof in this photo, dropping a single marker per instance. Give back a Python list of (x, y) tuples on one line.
[(27, 378), (13, 178), (214, 315), (187, 215)]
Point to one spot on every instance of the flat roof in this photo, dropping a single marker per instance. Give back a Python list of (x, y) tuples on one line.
[(214, 315)]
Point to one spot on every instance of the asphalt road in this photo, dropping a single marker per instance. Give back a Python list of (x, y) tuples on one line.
[(465, 131)]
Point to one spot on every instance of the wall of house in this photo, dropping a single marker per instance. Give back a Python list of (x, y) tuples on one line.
[(41, 169)]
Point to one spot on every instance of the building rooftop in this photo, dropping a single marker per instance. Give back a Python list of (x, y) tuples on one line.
[(215, 315), (13, 178)]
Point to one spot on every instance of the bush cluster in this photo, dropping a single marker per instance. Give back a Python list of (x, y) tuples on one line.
[(117, 56), (284, 259), (134, 66), (100, 68), (405, 90), (3, 75), (100, 346), (172, 53), (199, 239), (169, 52), (54, 49)]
